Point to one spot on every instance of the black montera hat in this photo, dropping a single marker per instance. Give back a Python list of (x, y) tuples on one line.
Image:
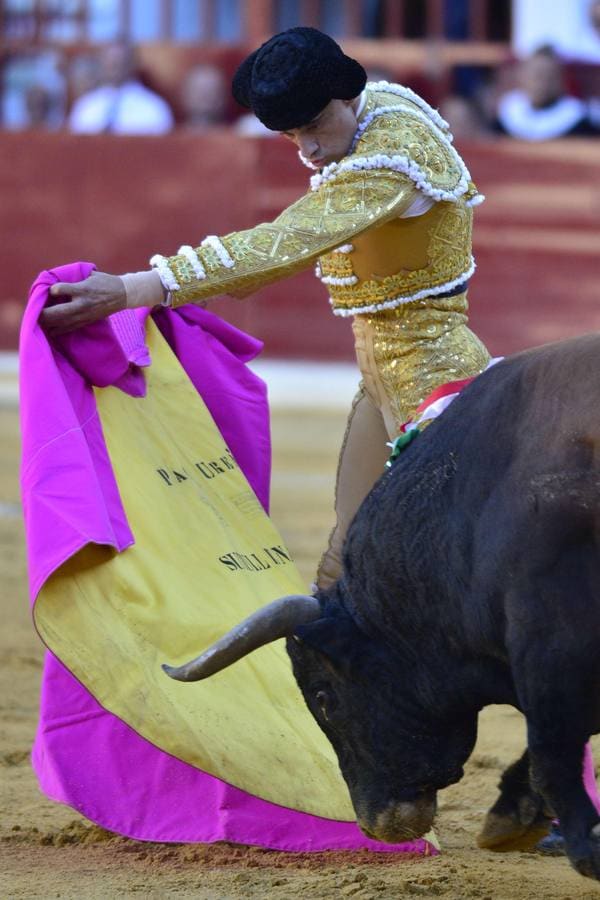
[(294, 75)]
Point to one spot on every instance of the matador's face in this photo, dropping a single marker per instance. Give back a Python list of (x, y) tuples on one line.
[(329, 136)]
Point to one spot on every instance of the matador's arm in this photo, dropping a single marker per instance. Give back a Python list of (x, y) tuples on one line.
[(244, 261)]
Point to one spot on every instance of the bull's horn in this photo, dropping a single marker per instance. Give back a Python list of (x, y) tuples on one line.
[(276, 620)]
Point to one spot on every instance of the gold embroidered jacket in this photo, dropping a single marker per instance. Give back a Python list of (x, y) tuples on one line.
[(400, 275), (402, 150)]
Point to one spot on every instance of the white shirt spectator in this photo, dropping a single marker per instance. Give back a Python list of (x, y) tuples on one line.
[(127, 109), (520, 119)]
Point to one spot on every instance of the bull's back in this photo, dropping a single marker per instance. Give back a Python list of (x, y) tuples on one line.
[(509, 472), (535, 413)]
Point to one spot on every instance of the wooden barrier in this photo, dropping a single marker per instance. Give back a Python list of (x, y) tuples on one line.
[(116, 201)]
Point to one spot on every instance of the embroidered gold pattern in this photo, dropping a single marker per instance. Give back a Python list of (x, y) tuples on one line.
[(406, 135), (415, 348), (336, 265), (406, 351), (334, 214), (419, 344), (316, 223), (449, 258)]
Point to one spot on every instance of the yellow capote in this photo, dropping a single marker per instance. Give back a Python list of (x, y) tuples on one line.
[(113, 618)]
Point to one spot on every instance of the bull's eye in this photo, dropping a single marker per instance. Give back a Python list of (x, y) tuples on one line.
[(321, 698)]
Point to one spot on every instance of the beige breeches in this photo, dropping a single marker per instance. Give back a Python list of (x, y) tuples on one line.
[(362, 461)]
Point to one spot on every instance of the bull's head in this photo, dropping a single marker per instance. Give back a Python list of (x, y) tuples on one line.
[(394, 750)]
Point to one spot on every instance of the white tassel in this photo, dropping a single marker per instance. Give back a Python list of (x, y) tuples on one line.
[(220, 249), (192, 257), (161, 264)]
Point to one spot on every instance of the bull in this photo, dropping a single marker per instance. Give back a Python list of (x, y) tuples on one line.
[(471, 576)]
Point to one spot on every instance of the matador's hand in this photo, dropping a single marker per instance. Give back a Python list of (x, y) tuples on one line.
[(85, 302)]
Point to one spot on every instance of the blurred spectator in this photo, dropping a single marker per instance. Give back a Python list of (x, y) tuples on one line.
[(83, 75), (38, 103), (540, 108), (204, 97), (24, 78), (120, 104), (594, 113), (464, 118)]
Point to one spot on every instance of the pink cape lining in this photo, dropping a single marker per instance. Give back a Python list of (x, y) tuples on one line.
[(83, 755)]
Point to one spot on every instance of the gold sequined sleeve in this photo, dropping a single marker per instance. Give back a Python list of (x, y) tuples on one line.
[(244, 261)]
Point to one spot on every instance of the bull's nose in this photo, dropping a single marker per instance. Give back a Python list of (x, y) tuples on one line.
[(402, 821)]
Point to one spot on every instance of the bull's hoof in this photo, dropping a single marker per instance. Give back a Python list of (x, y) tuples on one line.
[(515, 824), (586, 858), (520, 829)]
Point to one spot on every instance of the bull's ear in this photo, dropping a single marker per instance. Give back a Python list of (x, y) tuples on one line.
[(336, 637)]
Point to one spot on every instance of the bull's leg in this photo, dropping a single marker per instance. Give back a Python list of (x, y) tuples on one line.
[(519, 817), (561, 714), (554, 655), (556, 772)]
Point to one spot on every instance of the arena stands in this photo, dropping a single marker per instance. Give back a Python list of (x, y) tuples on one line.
[(117, 200)]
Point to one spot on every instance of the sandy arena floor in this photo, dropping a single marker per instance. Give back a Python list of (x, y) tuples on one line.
[(49, 851)]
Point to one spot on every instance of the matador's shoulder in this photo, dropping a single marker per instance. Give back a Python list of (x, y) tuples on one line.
[(399, 131)]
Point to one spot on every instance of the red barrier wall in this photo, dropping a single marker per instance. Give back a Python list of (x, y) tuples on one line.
[(116, 201)]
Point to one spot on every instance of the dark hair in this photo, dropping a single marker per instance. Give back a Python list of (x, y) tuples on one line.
[(546, 50)]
